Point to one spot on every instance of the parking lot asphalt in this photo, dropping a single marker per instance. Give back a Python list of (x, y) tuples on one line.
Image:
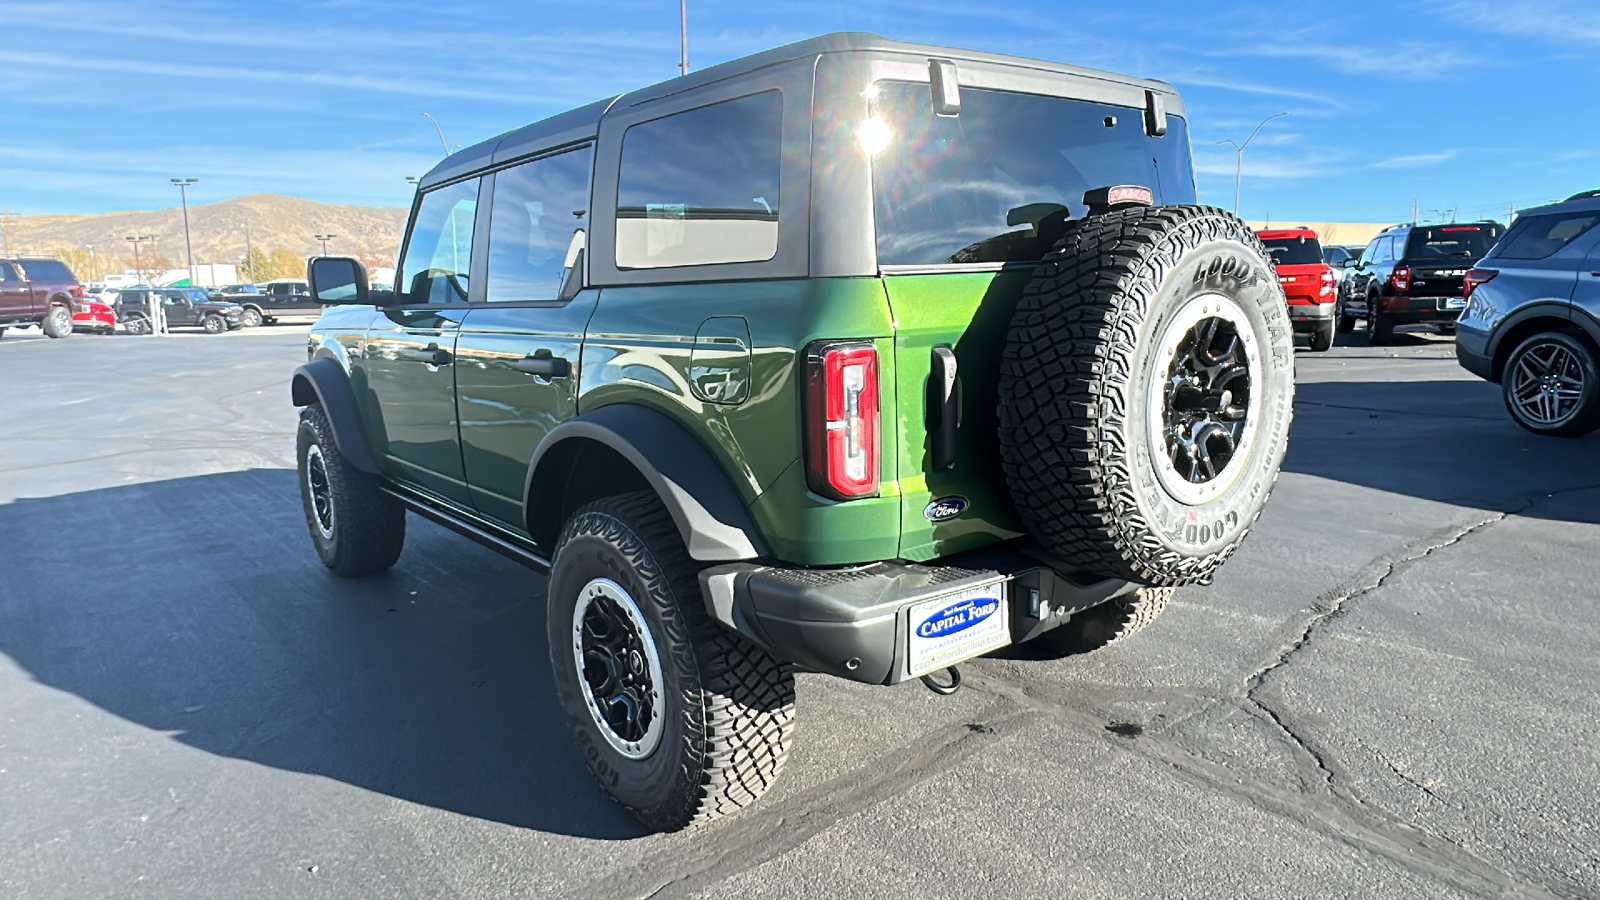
[(1392, 690)]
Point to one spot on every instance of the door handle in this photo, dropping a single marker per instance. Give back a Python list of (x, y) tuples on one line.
[(547, 366), (433, 356)]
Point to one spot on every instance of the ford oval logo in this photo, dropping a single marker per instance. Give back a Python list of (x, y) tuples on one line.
[(958, 616), (943, 509)]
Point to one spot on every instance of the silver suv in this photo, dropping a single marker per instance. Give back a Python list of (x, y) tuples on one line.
[(1532, 321)]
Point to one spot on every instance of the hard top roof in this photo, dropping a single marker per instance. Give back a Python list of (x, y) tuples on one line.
[(1583, 202), (584, 122)]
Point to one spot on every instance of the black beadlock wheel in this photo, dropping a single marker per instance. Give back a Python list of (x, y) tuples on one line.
[(679, 720), (1106, 624), (1146, 392), (356, 528), (1551, 385)]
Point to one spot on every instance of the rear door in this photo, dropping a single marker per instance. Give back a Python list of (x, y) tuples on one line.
[(15, 299), (517, 356), (410, 347)]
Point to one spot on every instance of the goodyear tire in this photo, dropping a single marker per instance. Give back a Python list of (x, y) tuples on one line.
[(57, 322), (679, 720), (1146, 392), (1106, 624), (356, 528)]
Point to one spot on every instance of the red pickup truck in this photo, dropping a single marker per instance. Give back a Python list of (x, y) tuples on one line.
[(40, 292), (1307, 280)]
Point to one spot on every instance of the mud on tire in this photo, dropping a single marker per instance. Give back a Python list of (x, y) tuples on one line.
[(725, 707), (1146, 392)]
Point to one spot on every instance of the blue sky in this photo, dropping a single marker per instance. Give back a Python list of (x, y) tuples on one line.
[(1465, 104)]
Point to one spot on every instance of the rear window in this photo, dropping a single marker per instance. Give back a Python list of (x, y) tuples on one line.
[(47, 270), (1451, 241), (1538, 237), (1299, 251), (996, 183)]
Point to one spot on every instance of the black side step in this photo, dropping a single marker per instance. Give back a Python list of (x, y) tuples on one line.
[(505, 544)]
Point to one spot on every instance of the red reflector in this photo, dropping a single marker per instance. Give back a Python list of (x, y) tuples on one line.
[(1474, 278), (842, 420)]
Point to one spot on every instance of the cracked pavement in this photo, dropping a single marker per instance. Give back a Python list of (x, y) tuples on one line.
[(1392, 691)]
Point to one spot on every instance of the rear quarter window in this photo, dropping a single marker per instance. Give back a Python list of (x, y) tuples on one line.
[(701, 187), (47, 270), (1539, 237)]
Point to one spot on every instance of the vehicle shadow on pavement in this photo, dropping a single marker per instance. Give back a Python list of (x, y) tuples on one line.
[(196, 606), (1449, 441)]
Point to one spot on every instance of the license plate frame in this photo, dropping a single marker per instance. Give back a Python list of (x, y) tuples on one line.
[(1453, 303), (957, 626)]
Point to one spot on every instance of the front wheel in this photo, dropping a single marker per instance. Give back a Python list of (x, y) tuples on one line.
[(1551, 385), (679, 720), (251, 317), (215, 325), (1347, 322), (356, 527), (58, 322)]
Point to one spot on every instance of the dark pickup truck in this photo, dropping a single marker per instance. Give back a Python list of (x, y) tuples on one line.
[(275, 301), (41, 292)]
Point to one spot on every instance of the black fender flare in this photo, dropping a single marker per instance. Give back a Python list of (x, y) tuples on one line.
[(1544, 309), (703, 503), (324, 382)]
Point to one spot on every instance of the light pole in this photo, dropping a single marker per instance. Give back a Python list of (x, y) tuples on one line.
[(683, 37), (1238, 157), (324, 238), (188, 249), (440, 131)]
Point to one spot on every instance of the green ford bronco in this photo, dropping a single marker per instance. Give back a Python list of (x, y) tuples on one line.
[(852, 357)]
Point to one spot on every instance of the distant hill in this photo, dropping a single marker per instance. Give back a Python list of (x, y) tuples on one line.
[(218, 230)]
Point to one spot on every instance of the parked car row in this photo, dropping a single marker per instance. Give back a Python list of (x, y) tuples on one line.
[(44, 293)]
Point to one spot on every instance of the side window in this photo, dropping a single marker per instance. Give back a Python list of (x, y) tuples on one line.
[(439, 251), (1539, 237), (1370, 255), (701, 187), (538, 226), (7, 273), (1386, 250)]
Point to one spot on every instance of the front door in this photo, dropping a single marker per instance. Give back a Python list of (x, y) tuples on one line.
[(178, 310), (16, 301), (409, 360), (518, 353)]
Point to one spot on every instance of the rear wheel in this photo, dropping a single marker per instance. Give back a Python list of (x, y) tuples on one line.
[(1146, 392), (678, 719), (137, 325), (356, 527), (215, 324), (58, 322), (1551, 385), (1107, 623), (1322, 337), (1379, 329)]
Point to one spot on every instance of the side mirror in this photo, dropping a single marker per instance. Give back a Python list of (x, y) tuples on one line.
[(337, 280)]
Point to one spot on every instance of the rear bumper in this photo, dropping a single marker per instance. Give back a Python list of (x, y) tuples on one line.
[(1310, 316), (856, 623), (1471, 353), (1414, 310)]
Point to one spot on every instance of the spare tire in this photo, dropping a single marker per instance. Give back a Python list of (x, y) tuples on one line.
[(1146, 392)]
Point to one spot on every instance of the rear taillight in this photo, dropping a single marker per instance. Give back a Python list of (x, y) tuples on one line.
[(1328, 282), (842, 420), (77, 292), (1474, 278), (1401, 278)]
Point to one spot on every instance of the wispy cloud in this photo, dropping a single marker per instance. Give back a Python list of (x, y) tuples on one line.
[(1413, 160), (1559, 21)]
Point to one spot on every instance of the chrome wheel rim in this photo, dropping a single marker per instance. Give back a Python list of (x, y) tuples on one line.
[(63, 319), (618, 668), (319, 491), (1204, 398), (1547, 384)]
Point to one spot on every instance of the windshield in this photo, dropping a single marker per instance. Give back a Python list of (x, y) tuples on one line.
[(1451, 241), (997, 182), (1299, 251)]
